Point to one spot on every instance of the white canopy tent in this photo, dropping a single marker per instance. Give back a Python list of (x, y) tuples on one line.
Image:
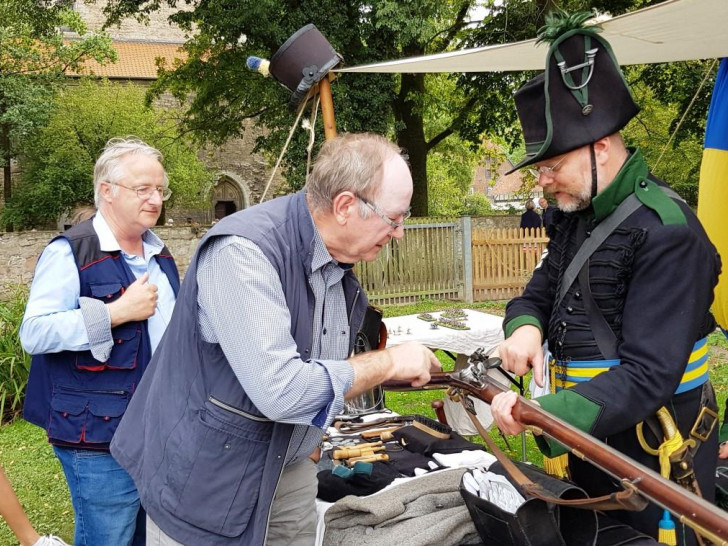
[(676, 30)]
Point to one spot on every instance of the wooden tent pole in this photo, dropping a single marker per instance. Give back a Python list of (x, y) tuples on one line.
[(327, 108)]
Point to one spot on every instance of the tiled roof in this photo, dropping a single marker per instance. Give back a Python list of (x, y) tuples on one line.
[(137, 61), (508, 183)]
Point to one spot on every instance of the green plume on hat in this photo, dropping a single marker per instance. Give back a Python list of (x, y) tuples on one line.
[(559, 22)]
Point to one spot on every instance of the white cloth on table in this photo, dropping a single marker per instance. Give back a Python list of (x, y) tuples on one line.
[(467, 458), (485, 330)]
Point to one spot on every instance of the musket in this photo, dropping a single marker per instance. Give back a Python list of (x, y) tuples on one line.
[(691, 510)]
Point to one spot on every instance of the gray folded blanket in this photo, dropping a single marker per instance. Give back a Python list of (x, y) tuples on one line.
[(425, 511)]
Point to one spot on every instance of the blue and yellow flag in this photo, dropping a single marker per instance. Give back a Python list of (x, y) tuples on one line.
[(713, 188)]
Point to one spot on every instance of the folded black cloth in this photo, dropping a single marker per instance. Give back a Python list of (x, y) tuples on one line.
[(405, 461), (418, 441), (332, 488)]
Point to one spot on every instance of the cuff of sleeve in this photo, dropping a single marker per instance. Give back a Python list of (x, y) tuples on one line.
[(723, 433), (517, 322), (98, 326), (341, 375), (571, 407)]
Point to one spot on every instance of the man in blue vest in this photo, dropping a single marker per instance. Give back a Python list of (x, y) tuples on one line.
[(101, 298), (256, 362)]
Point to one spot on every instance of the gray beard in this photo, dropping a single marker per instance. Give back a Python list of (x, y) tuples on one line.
[(577, 202)]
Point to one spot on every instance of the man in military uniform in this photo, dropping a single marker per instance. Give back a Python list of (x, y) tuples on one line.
[(623, 295)]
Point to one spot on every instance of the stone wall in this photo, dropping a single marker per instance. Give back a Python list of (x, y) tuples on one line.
[(19, 251), (156, 29), (497, 222)]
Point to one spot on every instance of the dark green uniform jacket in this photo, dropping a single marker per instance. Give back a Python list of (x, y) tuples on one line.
[(653, 280)]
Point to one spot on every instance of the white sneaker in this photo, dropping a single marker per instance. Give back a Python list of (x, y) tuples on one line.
[(50, 540)]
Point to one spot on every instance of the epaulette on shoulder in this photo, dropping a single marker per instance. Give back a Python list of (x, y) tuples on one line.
[(650, 195)]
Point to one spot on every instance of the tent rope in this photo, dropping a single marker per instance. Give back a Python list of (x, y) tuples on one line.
[(285, 148), (312, 134), (677, 127)]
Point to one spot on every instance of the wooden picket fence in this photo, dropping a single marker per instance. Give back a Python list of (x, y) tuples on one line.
[(425, 264), (504, 260), (445, 259)]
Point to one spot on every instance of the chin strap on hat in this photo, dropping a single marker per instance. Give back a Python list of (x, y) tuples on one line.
[(593, 158)]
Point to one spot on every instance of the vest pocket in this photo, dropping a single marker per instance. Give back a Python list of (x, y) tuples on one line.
[(215, 470), (106, 291), (127, 341), (88, 417)]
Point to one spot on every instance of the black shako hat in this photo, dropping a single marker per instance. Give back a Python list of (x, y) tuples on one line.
[(302, 61), (581, 97)]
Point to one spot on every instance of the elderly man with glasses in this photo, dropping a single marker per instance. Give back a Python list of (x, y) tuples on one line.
[(257, 360), (102, 296), (623, 296)]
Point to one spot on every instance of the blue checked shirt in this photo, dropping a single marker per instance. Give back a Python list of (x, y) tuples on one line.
[(242, 307)]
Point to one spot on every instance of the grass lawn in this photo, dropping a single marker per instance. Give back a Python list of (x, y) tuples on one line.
[(39, 482)]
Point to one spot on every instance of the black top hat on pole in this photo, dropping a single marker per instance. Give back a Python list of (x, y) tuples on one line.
[(303, 61), (582, 95)]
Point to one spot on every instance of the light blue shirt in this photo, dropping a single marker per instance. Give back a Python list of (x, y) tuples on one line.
[(58, 319)]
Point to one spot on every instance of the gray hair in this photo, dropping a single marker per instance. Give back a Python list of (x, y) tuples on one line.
[(108, 166), (351, 161)]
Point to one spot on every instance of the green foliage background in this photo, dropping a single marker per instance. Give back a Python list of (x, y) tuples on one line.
[(58, 159), (34, 59)]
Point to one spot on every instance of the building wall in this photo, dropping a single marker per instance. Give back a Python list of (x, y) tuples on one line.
[(157, 29), (19, 251)]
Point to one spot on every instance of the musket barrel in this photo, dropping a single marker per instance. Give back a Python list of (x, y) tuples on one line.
[(693, 511)]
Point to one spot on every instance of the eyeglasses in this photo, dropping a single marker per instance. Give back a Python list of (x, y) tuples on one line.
[(394, 225), (145, 192), (548, 171)]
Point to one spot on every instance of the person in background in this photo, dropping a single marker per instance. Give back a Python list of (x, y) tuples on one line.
[(547, 214), (530, 218), (13, 514), (256, 362), (627, 324), (100, 301)]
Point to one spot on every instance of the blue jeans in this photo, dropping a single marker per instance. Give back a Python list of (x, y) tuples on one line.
[(104, 497)]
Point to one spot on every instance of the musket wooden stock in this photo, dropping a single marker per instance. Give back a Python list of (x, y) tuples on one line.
[(693, 511)]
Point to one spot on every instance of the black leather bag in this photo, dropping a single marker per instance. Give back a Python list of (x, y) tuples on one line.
[(721, 484), (536, 522)]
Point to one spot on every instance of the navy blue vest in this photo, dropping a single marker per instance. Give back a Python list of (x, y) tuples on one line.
[(205, 460), (76, 398)]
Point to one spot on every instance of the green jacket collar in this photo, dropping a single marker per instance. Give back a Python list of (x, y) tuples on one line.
[(621, 187)]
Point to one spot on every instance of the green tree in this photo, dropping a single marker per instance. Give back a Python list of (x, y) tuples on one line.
[(57, 163), (670, 128), (222, 94), (34, 57)]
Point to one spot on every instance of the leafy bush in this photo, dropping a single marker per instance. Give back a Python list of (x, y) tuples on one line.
[(14, 361), (58, 159)]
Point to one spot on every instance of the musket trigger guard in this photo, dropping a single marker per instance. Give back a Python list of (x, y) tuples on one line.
[(454, 394), (469, 405)]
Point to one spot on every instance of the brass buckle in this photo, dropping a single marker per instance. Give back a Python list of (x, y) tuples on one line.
[(705, 414)]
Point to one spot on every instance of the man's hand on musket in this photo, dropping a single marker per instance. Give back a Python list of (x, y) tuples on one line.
[(413, 361), (502, 410), (523, 351), (409, 361), (723, 450)]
